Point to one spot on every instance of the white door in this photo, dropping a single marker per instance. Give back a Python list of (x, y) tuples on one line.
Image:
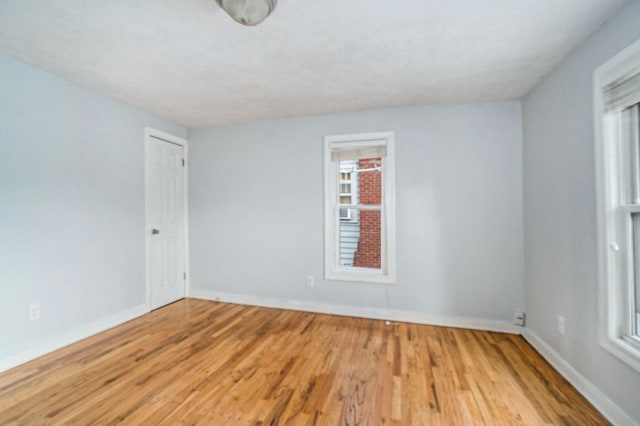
[(166, 260)]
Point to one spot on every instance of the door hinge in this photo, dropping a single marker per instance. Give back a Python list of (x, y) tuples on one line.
[(183, 162), (184, 275)]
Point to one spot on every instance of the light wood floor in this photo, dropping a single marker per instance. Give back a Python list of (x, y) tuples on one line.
[(198, 362)]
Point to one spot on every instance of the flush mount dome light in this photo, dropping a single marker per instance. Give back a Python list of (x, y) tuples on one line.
[(248, 12)]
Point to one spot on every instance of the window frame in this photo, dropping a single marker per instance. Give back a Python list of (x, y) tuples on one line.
[(333, 270), (615, 233)]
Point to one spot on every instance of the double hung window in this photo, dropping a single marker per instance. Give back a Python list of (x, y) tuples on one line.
[(617, 119), (359, 208)]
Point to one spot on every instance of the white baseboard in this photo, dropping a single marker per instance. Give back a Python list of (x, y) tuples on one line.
[(361, 312), (608, 409), (72, 336), (611, 411)]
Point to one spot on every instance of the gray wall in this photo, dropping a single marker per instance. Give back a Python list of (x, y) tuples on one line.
[(72, 206), (459, 209), (560, 211)]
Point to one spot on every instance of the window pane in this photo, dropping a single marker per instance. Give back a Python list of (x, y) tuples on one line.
[(370, 181), (346, 214), (361, 239), (631, 152), (636, 262)]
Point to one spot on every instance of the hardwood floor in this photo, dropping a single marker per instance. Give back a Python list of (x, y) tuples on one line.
[(199, 362)]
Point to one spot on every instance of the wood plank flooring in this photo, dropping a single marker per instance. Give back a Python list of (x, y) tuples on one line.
[(200, 362)]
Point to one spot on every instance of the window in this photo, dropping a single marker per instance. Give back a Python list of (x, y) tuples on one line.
[(347, 195), (360, 208), (617, 120)]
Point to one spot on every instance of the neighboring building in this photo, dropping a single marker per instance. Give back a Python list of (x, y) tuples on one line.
[(368, 253), (349, 224)]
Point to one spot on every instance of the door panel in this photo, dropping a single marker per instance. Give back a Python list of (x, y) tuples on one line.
[(166, 222)]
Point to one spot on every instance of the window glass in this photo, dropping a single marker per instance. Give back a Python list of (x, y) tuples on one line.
[(636, 261), (631, 154), (360, 238), (370, 181), (630, 206)]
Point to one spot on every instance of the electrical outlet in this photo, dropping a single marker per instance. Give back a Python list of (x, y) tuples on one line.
[(560, 324), (34, 312), (311, 281), (519, 318)]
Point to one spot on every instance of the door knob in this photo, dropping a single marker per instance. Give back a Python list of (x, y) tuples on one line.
[(155, 231)]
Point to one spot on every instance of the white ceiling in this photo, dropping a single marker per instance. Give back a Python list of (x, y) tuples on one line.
[(187, 61)]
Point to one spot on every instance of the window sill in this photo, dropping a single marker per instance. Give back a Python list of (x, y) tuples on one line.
[(626, 350), (361, 275)]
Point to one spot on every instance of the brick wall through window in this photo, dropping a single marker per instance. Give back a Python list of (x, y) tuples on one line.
[(368, 253)]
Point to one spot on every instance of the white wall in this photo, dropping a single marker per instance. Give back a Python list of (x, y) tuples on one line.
[(71, 206), (256, 209), (560, 212)]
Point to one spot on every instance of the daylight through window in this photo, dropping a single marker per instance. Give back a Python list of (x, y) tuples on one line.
[(359, 194)]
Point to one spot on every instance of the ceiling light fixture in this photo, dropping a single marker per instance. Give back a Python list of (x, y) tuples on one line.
[(248, 12)]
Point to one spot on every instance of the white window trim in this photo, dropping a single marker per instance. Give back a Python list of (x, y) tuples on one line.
[(333, 269), (613, 289)]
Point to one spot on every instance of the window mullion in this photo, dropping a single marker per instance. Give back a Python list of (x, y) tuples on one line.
[(629, 209), (364, 206), (360, 206)]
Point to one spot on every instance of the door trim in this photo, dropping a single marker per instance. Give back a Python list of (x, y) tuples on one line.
[(150, 133)]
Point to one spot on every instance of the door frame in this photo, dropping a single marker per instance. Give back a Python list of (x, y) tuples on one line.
[(149, 133)]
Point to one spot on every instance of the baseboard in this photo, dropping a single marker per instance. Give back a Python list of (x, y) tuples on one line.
[(599, 400), (72, 336), (611, 411), (361, 312)]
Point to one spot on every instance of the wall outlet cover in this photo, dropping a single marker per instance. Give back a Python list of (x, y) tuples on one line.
[(519, 318), (34, 312), (560, 324)]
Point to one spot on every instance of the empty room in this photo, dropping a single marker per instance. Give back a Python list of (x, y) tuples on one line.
[(354, 212)]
